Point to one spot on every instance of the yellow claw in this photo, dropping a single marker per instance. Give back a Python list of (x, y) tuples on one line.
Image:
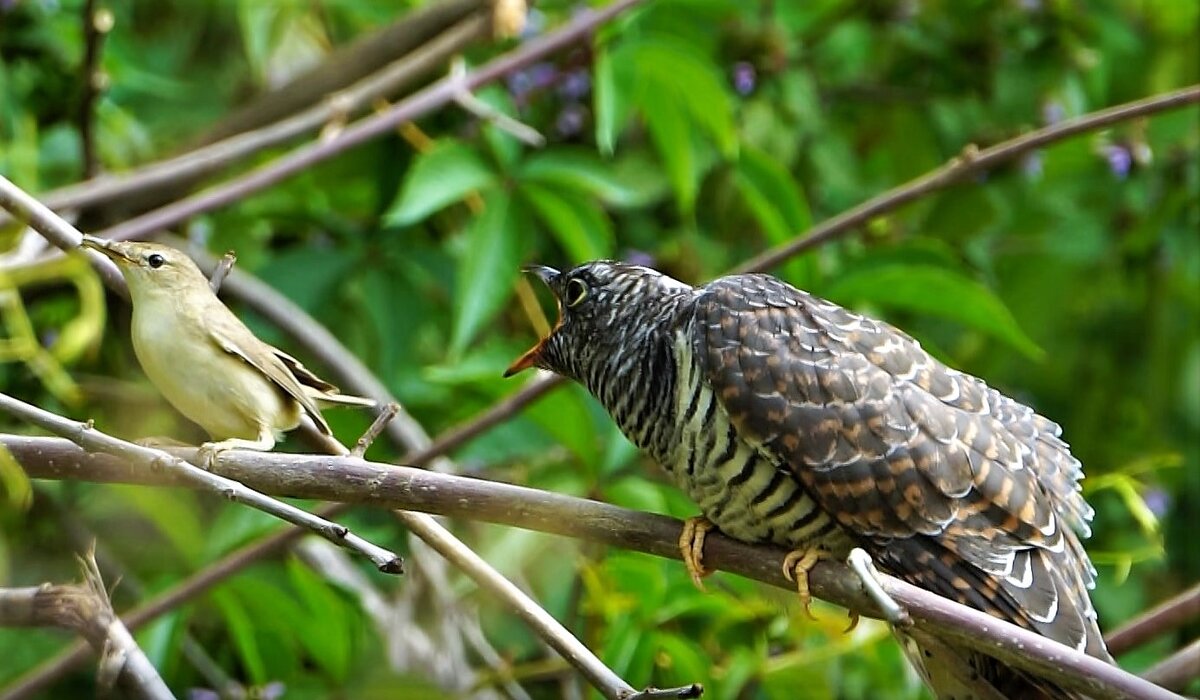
[(796, 566), (691, 546)]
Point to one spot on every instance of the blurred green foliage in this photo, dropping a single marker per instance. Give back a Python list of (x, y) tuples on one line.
[(691, 134)]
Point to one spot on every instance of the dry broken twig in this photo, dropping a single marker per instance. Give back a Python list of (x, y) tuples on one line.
[(85, 609)]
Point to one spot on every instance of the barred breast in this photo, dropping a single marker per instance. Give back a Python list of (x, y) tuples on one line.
[(739, 490)]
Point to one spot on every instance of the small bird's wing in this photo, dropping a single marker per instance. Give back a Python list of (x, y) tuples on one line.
[(317, 388), (948, 483), (232, 336)]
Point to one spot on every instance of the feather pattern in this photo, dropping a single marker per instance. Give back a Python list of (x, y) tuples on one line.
[(790, 419)]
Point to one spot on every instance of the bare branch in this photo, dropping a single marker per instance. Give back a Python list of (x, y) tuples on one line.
[(1162, 618), (388, 486), (549, 629), (228, 260), (1177, 670), (467, 100), (354, 62), (97, 23), (971, 161), (417, 105), (542, 623), (389, 412), (85, 609), (179, 171), (56, 230), (151, 459)]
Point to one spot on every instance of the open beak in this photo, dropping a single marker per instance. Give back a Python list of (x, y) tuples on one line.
[(550, 276), (104, 246)]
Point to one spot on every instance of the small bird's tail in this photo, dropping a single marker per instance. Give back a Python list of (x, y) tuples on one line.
[(327, 397)]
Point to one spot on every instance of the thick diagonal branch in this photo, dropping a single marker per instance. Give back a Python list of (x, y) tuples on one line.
[(355, 480)]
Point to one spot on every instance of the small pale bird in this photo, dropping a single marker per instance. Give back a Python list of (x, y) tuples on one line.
[(205, 361), (791, 420)]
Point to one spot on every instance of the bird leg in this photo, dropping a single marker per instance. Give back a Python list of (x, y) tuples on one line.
[(862, 565), (796, 566), (691, 546), (158, 441), (208, 451)]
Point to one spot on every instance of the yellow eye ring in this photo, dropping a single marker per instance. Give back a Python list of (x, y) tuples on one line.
[(577, 291)]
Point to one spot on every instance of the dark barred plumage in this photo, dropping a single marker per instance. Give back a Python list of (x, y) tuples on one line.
[(789, 419)]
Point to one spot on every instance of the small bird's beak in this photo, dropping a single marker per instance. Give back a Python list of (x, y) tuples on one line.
[(104, 246), (550, 276)]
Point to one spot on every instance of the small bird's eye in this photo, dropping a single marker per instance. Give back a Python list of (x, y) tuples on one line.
[(577, 291), (155, 260)]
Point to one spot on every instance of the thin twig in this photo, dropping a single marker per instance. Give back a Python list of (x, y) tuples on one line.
[(467, 100), (415, 106), (389, 486), (389, 412), (549, 629), (1177, 670), (542, 623), (87, 437), (1162, 618), (228, 260), (176, 172), (85, 609), (971, 161), (36, 215), (82, 538), (97, 23), (369, 54)]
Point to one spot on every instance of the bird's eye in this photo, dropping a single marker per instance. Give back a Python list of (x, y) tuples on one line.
[(155, 260), (577, 291)]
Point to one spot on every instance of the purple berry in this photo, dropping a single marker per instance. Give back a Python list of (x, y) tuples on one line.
[(575, 85), (570, 120), (1119, 160), (744, 78)]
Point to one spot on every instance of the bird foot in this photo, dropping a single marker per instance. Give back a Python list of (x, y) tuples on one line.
[(160, 441), (206, 455), (860, 562), (691, 546), (796, 566)]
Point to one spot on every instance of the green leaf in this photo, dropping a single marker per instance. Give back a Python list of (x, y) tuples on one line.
[(580, 227), (935, 291), (582, 171), (505, 147), (241, 629), (612, 93), (324, 269), (772, 195), (488, 266), (672, 138), (442, 175), (328, 637), (674, 70), (564, 416)]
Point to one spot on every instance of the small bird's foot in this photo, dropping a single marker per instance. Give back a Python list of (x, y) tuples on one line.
[(862, 565), (691, 546), (796, 566), (160, 441), (206, 455)]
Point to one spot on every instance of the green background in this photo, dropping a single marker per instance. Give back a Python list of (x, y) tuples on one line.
[(691, 134)]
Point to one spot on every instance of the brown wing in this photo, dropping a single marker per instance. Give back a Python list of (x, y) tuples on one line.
[(321, 390), (952, 485), (234, 338)]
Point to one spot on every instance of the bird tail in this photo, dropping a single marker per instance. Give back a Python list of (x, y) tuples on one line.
[(336, 399)]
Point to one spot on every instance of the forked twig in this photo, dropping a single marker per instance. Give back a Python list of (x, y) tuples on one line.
[(87, 437)]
